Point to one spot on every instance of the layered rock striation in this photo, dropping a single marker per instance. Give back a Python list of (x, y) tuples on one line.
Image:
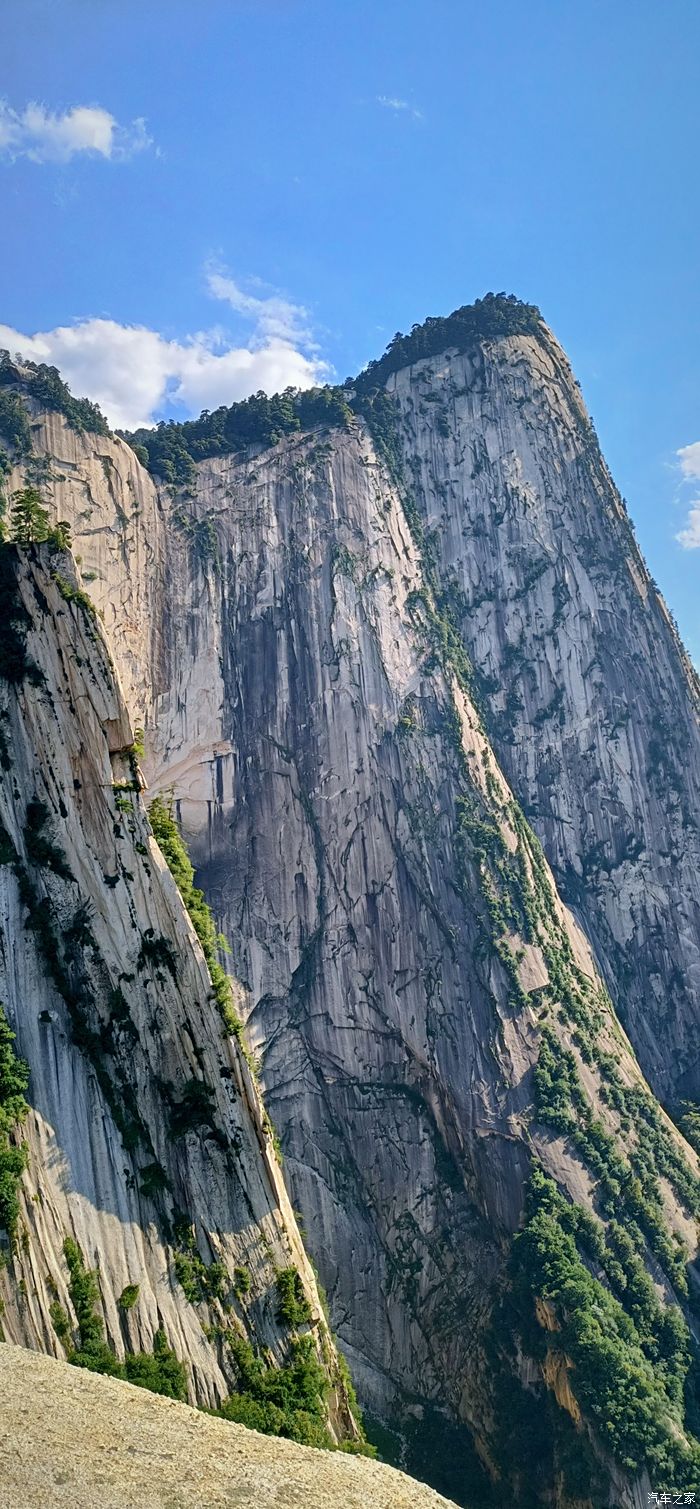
[(590, 700), (146, 1142)]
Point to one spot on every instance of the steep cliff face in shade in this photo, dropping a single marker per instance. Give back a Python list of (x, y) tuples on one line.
[(147, 1141), (430, 1018), (591, 703)]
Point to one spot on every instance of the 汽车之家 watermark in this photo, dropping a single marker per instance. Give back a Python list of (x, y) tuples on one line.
[(670, 1498)]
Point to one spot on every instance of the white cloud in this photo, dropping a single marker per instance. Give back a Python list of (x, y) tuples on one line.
[(392, 102), (689, 459), (133, 371), (275, 318), (689, 537), (43, 136), (689, 463)]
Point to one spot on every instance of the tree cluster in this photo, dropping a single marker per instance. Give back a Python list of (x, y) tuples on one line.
[(46, 385), (170, 450)]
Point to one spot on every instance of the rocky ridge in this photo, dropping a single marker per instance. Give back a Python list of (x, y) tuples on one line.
[(591, 702)]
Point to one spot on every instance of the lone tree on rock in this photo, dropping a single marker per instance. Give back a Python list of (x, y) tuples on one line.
[(29, 520)]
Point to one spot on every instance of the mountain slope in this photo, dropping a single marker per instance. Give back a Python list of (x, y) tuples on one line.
[(104, 1442)]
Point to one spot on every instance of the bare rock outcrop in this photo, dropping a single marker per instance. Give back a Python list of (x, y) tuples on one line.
[(102, 1441)]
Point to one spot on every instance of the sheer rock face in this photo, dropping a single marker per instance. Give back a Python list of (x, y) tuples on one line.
[(97, 484), (108, 992), (591, 703), (323, 755)]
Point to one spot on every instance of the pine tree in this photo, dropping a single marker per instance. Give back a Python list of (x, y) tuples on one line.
[(29, 521), (60, 536)]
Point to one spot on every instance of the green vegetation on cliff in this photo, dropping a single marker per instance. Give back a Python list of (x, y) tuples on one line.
[(14, 422), (172, 449), (29, 522), (46, 385), (14, 1078), (169, 840), (627, 1375), (491, 318), (628, 1359), (281, 1401), (159, 1370)]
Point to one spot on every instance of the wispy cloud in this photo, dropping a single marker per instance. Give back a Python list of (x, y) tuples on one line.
[(134, 372), (275, 318), (689, 463), (399, 106), (44, 136), (689, 460)]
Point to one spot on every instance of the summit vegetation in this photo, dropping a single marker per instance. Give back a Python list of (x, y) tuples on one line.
[(46, 385), (171, 449)]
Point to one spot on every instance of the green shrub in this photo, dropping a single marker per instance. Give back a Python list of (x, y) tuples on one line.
[(190, 1269), (194, 1108), (14, 1079), (128, 1297), (217, 1280), (241, 1282), (157, 953), (161, 1372), (41, 850), (257, 1414), (292, 1305), (168, 838), (200, 1281), (281, 1401), (152, 1179), (71, 594), (60, 1322), (158, 1371), (85, 1294), (362, 1447), (689, 1123)]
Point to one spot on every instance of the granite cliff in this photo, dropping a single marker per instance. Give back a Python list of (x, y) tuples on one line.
[(432, 740), (149, 1157)]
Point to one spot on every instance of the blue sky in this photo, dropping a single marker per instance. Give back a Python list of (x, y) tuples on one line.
[(216, 196)]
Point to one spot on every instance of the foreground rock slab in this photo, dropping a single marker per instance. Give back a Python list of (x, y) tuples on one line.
[(75, 1438)]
